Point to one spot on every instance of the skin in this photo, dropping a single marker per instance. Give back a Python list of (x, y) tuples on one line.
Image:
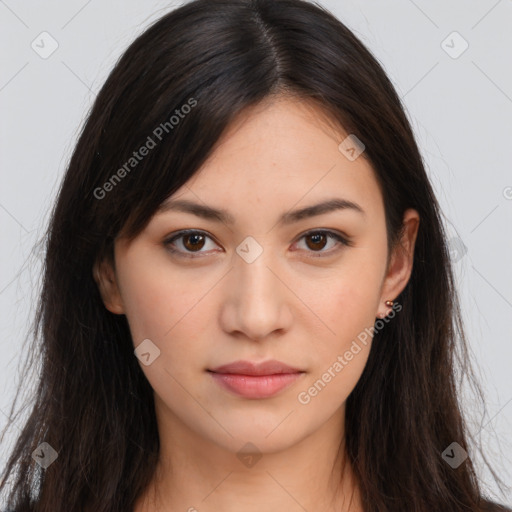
[(287, 305)]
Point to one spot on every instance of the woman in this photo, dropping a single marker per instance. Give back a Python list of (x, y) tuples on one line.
[(247, 300)]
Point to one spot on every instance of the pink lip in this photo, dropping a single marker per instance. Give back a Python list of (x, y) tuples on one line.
[(270, 367), (255, 380)]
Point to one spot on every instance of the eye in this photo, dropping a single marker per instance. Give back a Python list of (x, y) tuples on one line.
[(190, 242), (319, 239)]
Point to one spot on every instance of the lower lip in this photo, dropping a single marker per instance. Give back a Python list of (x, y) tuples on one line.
[(256, 386)]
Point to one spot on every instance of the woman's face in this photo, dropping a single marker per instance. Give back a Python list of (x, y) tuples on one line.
[(264, 283)]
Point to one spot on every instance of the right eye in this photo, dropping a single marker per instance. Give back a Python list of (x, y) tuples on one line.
[(190, 240)]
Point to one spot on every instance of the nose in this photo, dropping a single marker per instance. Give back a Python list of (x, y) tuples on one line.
[(256, 302)]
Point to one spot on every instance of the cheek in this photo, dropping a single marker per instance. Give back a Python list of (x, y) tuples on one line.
[(149, 305), (345, 302), (340, 355), (157, 300), (171, 310), (165, 308)]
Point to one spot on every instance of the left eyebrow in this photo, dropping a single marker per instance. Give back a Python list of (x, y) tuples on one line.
[(222, 215)]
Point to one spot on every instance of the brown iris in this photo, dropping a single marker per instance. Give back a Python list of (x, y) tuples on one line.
[(319, 239), (197, 241)]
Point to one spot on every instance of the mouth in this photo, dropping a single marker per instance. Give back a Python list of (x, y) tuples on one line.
[(256, 380)]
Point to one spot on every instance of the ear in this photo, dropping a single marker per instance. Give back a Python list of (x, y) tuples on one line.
[(400, 262), (106, 280)]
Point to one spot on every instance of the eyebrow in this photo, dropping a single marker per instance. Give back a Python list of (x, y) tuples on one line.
[(222, 215)]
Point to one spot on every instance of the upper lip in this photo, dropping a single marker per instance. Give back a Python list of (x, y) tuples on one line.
[(270, 367)]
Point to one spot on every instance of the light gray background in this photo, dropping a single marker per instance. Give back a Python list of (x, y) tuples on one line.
[(460, 108)]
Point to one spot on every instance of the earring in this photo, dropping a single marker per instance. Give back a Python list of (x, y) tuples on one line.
[(389, 304)]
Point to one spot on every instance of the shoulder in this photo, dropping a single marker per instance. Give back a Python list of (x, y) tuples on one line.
[(490, 506)]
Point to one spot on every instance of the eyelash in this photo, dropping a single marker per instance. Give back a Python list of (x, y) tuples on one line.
[(189, 254)]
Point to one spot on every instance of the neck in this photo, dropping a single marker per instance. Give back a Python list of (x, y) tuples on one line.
[(201, 476)]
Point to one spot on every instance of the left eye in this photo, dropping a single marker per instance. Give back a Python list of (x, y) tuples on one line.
[(192, 241), (320, 238)]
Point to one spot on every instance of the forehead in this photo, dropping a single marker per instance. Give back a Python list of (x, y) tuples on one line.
[(281, 153)]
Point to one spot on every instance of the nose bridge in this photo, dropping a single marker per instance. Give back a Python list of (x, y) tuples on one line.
[(255, 281), (257, 294), (252, 268)]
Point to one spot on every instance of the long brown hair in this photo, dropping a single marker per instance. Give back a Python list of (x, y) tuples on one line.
[(93, 404)]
